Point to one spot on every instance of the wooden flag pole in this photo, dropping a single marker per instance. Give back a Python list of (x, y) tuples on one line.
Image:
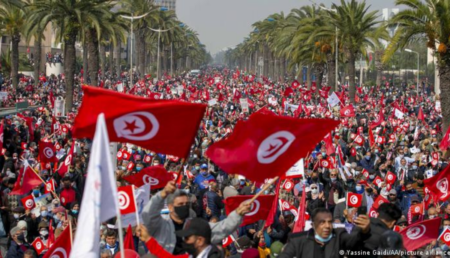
[(264, 189)]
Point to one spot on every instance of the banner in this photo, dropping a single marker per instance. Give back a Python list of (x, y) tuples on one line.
[(212, 102), (244, 105), (333, 100), (297, 170), (60, 107)]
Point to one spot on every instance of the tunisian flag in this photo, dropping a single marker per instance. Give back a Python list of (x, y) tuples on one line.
[(259, 210), (164, 126), (26, 181), (421, 233), (266, 145), (62, 246), (67, 162), (354, 200), (127, 202), (156, 176), (47, 152), (445, 143), (348, 111), (439, 184)]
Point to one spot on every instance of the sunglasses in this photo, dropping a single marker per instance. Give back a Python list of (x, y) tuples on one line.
[(333, 175), (313, 187)]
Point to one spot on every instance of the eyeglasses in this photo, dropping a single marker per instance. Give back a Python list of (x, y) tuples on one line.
[(333, 175), (313, 187)]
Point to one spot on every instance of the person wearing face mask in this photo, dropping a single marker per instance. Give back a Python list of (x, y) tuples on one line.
[(68, 194), (18, 214), (202, 179), (18, 245), (317, 199), (418, 184), (9, 163), (213, 200), (43, 233), (322, 241), (368, 161), (333, 187), (163, 226), (398, 160), (111, 242)]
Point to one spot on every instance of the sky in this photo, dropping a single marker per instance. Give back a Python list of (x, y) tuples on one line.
[(225, 23)]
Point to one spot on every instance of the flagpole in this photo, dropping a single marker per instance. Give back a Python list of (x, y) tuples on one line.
[(119, 224), (262, 190), (346, 201), (136, 208)]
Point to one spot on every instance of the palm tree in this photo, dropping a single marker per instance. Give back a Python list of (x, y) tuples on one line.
[(71, 18), (12, 23), (356, 28), (430, 19)]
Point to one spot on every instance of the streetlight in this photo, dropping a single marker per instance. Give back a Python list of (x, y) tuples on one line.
[(159, 40), (336, 48), (410, 51), (132, 18)]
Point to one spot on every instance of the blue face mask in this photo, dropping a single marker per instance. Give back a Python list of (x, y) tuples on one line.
[(414, 167), (75, 211), (204, 173), (197, 167), (358, 188), (138, 168), (367, 157), (324, 154), (36, 191), (242, 182), (323, 240), (333, 179), (44, 213), (55, 218)]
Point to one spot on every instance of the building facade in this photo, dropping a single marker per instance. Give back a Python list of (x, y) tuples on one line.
[(170, 4)]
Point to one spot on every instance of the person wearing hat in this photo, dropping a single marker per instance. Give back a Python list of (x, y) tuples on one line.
[(43, 232), (202, 179), (18, 245), (197, 239), (163, 226), (18, 214), (324, 241)]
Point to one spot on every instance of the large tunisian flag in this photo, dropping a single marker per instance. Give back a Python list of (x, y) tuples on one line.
[(267, 145), (421, 233), (439, 184), (165, 126)]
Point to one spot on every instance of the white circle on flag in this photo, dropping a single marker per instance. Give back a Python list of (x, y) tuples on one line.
[(274, 146), (150, 180), (225, 241), (68, 160), (353, 199), (288, 185), (446, 237), (442, 185), (124, 200), (59, 253), (254, 209), (416, 232), (373, 214), (38, 245), (48, 152), (48, 186), (137, 126), (416, 209), (29, 204), (286, 205)]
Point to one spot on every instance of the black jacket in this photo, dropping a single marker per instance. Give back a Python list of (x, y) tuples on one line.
[(215, 253), (303, 244)]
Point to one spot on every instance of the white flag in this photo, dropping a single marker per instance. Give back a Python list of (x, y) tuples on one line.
[(297, 170), (333, 100), (142, 195), (399, 114), (100, 200)]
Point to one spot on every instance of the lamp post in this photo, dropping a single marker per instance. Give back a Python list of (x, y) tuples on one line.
[(159, 41), (410, 51), (336, 49), (132, 18)]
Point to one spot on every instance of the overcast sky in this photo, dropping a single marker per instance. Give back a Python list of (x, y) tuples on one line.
[(225, 23)]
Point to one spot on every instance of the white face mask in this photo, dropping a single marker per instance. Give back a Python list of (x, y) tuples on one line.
[(314, 191)]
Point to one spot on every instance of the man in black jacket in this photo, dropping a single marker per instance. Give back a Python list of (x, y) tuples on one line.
[(322, 241)]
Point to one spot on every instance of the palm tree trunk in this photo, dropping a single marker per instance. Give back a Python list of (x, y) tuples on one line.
[(93, 55), (102, 59), (308, 76), (351, 75), (37, 57), (331, 65), (69, 68), (111, 58), (300, 74), (319, 69), (118, 56), (85, 62), (379, 66), (15, 60), (141, 50), (282, 68), (266, 60), (444, 77)]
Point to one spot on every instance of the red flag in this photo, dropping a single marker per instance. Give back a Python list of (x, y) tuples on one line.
[(439, 184), (378, 119), (371, 138), (295, 84), (259, 210), (354, 199), (30, 125), (329, 144), (27, 180), (377, 181), (420, 233), (391, 178), (445, 236), (359, 140), (38, 245), (67, 162), (162, 126), (348, 111), (286, 206), (1, 137), (62, 246), (323, 94), (47, 152), (127, 202), (378, 201), (420, 116), (28, 202), (51, 235), (300, 223), (155, 176), (288, 185), (273, 209), (266, 146), (445, 143), (128, 241), (416, 209), (227, 241), (49, 186)]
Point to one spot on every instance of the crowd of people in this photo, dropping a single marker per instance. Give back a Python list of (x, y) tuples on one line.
[(188, 217)]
